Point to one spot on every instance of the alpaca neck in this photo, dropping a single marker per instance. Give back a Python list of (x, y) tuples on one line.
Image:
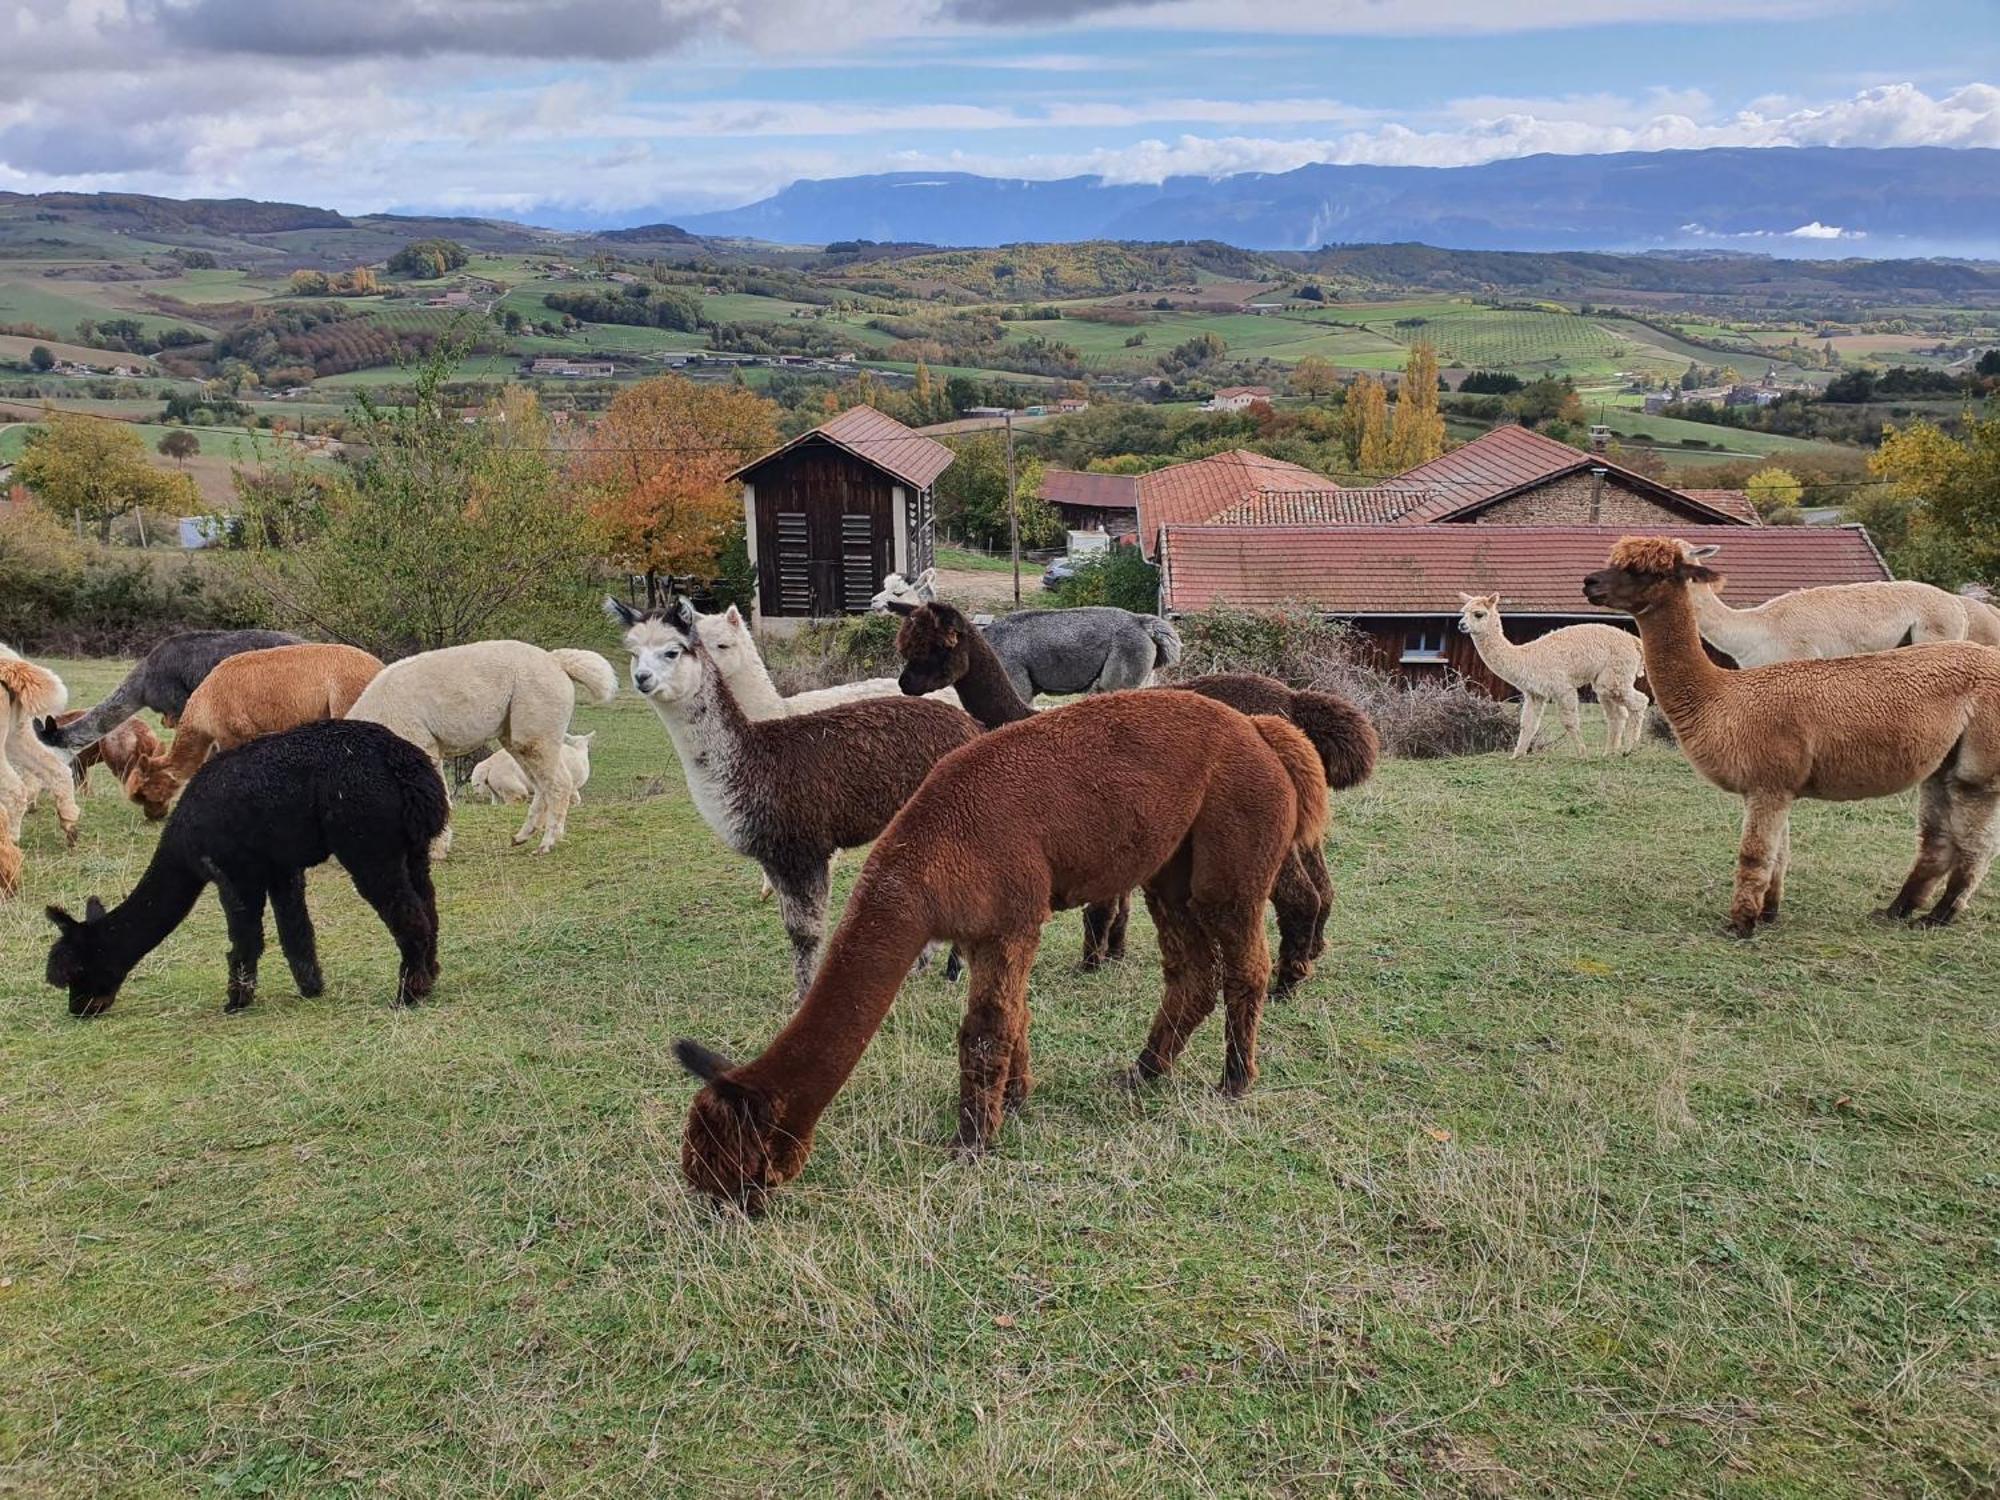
[(1732, 630), (750, 680), (159, 903), (985, 690), (1505, 659), (1677, 668), (871, 952), (700, 727)]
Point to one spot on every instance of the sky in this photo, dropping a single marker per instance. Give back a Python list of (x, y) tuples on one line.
[(611, 112)]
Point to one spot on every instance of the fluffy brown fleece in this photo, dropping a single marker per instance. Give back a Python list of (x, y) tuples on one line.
[(10, 862), (1191, 799), (27, 766), (1838, 730), (250, 694), (119, 750)]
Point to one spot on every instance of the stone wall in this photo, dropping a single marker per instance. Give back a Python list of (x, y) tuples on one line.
[(1566, 502)]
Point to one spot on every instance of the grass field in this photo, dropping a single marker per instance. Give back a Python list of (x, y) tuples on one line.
[(1547, 1188), (36, 302)]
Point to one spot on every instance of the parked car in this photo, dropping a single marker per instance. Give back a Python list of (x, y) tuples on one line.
[(1059, 571)]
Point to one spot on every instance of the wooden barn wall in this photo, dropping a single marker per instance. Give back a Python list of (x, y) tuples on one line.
[(824, 484), (1385, 637)]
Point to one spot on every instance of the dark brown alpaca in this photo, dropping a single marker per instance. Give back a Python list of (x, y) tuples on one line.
[(1195, 802), (786, 792), (941, 648)]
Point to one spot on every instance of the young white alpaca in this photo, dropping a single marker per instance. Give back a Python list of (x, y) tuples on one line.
[(1839, 619), (501, 778), (28, 767), (460, 699), (1551, 668)]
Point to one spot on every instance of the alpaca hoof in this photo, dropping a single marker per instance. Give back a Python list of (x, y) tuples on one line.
[(312, 984), (1889, 914), (238, 1000), (1133, 1078), (1941, 917), (968, 1148), (1767, 916), (1234, 1088)]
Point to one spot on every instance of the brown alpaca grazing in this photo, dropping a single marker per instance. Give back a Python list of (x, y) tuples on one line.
[(1837, 730), (940, 647), (1192, 800), (248, 695), (118, 751)]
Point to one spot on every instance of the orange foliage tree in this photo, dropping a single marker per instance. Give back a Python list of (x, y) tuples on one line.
[(656, 469)]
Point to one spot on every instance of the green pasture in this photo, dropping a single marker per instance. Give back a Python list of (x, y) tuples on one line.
[(1547, 1187), (36, 301)]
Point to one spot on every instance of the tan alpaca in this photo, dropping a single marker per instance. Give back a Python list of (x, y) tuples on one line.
[(1839, 619), (1858, 726), (28, 767), (1551, 668)]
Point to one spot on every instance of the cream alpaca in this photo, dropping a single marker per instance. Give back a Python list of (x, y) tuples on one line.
[(499, 776), (28, 767), (1838, 731), (1551, 668), (456, 701), (1840, 619)]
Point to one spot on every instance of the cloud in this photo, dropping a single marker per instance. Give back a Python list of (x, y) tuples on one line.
[(1819, 231)]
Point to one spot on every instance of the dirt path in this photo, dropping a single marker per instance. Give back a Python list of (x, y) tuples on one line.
[(989, 590)]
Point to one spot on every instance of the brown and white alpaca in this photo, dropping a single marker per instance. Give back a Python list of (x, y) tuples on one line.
[(250, 694), (1839, 619), (1838, 731), (1190, 799), (121, 748), (786, 792), (939, 645), (29, 692), (1551, 668)]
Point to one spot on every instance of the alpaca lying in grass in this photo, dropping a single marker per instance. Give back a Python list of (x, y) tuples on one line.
[(1840, 730), (786, 792), (1839, 619), (1190, 799), (29, 692), (163, 681), (119, 749), (939, 645), (498, 777), (458, 700), (249, 694), (253, 821), (1551, 668)]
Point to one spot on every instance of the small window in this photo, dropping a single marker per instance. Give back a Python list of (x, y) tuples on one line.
[(1423, 645)]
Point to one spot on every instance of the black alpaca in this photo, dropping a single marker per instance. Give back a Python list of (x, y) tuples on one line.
[(254, 820), (161, 681)]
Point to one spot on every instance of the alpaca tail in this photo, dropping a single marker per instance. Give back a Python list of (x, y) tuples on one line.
[(33, 692), (590, 671), (1166, 640), (1302, 764), (1346, 740)]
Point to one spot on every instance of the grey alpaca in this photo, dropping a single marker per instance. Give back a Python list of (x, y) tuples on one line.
[(1096, 649), (162, 681)]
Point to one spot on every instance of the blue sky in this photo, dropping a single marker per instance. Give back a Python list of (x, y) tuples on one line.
[(615, 111)]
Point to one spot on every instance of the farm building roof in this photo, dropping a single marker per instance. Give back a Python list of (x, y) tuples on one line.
[(1508, 460), (1732, 502), (1421, 570), (874, 438), (1101, 491), (1321, 507), (1197, 491)]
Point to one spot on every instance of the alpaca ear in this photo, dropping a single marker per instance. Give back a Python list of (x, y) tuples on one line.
[(93, 910), (65, 923), (700, 1061), (927, 578), (900, 607), (620, 612), (1702, 554), (733, 615), (680, 614), (1465, 598), (951, 639)]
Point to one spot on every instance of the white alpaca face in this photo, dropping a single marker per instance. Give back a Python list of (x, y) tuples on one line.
[(896, 589), (726, 637), (663, 666), (1478, 608)]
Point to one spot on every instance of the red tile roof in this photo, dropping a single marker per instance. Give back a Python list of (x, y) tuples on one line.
[(1321, 507), (1508, 460), (875, 438), (1193, 492), (1395, 569), (1101, 491), (1733, 502)]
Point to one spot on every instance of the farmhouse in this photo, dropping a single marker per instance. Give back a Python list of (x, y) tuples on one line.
[(829, 515), (1399, 585), (573, 369), (1092, 502), (1237, 397), (1204, 488)]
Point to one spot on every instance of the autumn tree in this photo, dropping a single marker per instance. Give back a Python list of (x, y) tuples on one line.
[(178, 444), (308, 283), (1364, 427), (657, 472), (1314, 379), (1775, 493), (92, 470), (1417, 432), (40, 359), (1948, 493)]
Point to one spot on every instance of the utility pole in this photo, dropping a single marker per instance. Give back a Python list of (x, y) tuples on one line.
[(1013, 511)]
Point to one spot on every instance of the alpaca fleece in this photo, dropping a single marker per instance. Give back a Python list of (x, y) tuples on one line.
[(27, 766), (121, 747), (1551, 668), (252, 822), (1840, 619), (1838, 730), (1096, 649), (249, 694), (500, 779), (164, 680), (1189, 798)]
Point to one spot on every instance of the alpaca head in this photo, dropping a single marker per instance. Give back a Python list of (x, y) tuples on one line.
[(660, 643), (77, 961), (728, 1151), (1645, 571), (1478, 610), (150, 783), (932, 642), (896, 589)]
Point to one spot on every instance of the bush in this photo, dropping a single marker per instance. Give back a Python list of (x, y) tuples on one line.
[(1421, 721), (826, 653), (1121, 577)]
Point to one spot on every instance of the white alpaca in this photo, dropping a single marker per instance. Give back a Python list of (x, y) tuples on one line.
[(896, 589), (456, 701), (28, 767), (1839, 619), (500, 778), (1551, 668)]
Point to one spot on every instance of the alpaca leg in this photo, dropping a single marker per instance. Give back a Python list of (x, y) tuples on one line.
[(14, 793), (1614, 720), (1020, 1077), (1531, 721), (1571, 711), (1187, 965), (242, 898), (1636, 704), (1934, 849), (1764, 818), (295, 932), (384, 883), (1096, 936), (441, 845), (1781, 861), (1237, 933), (1299, 917), (1312, 860), (802, 894), (417, 866), (993, 1037), (1975, 832), (548, 808), (45, 768)]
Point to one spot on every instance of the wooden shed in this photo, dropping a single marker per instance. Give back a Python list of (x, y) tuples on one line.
[(836, 510)]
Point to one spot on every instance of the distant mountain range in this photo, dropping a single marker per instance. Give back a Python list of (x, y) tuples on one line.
[(1812, 201)]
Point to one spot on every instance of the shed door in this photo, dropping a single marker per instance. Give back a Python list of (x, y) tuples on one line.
[(830, 534)]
